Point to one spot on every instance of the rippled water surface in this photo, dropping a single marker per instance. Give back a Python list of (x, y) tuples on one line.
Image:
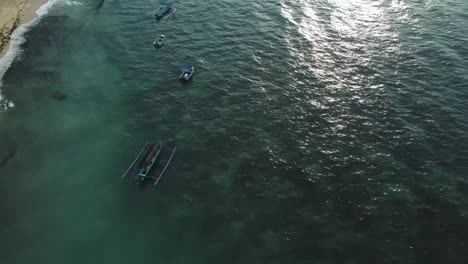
[(319, 131)]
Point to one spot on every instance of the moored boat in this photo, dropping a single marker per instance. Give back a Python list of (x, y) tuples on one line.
[(152, 162), (187, 72), (165, 11), (159, 41), (149, 161)]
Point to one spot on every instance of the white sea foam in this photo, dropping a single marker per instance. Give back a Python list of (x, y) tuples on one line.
[(44, 9), (18, 37)]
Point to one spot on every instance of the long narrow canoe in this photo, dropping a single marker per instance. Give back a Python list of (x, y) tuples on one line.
[(150, 161)]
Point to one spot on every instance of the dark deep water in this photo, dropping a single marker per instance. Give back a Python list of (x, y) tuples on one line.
[(319, 131)]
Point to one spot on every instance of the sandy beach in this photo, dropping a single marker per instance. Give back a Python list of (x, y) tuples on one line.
[(13, 13)]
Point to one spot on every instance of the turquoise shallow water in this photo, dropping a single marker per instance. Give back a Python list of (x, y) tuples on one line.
[(320, 131)]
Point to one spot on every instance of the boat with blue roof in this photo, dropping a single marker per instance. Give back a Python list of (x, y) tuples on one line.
[(187, 72), (165, 11)]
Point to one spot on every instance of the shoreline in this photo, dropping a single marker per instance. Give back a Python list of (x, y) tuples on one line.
[(14, 14)]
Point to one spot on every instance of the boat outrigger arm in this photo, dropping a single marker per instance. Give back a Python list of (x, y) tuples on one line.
[(165, 168), (133, 163)]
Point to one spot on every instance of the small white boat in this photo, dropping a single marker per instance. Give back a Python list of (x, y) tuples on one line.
[(159, 41), (187, 72)]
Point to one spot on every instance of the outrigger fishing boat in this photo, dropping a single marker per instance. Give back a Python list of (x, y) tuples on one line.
[(145, 166), (165, 11), (187, 72)]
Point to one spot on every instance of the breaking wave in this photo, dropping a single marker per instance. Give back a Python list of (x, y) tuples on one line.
[(18, 37)]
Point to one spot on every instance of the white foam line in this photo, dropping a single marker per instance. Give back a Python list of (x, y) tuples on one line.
[(44, 9), (17, 38)]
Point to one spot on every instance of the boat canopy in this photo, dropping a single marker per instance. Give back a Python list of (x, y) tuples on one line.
[(187, 67)]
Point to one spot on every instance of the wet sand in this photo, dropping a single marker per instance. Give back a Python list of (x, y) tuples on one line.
[(13, 13)]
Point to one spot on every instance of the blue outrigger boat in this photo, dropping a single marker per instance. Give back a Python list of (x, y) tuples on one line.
[(146, 163), (165, 11)]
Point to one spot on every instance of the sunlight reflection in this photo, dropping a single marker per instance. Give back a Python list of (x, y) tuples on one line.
[(341, 48), (343, 36)]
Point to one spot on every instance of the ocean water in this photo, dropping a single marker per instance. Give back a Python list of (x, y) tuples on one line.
[(319, 131)]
